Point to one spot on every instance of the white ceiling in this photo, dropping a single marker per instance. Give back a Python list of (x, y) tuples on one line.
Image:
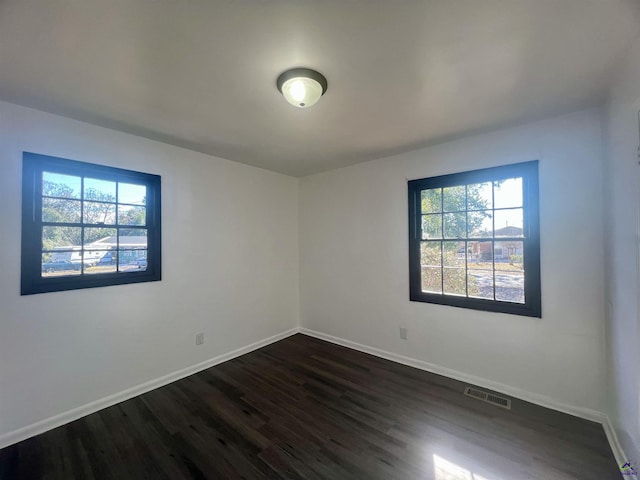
[(402, 74)]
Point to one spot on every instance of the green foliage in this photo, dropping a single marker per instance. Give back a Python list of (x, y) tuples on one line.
[(444, 211), (453, 199), (450, 255), (432, 279), (455, 281), (60, 237), (132, 216)]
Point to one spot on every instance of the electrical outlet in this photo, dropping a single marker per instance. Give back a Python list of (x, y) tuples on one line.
[(403, 333), (199, 338)]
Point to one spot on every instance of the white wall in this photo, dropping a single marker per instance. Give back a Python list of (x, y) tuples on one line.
[(623, 326), (354, 267), (230, 241)]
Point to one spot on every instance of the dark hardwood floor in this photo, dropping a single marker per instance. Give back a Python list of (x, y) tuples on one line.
[(306, 409)]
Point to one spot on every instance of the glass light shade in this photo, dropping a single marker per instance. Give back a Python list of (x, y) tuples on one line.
[(302, 92)]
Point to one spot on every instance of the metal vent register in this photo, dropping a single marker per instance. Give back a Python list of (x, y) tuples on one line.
[(488, 397)]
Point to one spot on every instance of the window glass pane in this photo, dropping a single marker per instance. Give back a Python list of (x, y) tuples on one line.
[(432, 279), (102, 190), (480, 283), (479, 255), (127, 260), (454, 198), (100, 238), (141, 260), (431, 200), (56, 237), (108, 257), (57, 185), (509, 256), (61, 211), (508, 193), (431, 226), (509, 223), (90, 258), (510, 286), (455, 225), (479, 196), (98, 269), (131, 215), (100, 213), (59, 255), (99, 261), (430, 254), (133, 194), (133, 239), (455, 281), (56, 267), (132, 260), (453, 254), (480, 224)]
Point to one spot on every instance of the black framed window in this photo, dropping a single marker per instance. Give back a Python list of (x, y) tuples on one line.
[(474, 239), (86, 225)]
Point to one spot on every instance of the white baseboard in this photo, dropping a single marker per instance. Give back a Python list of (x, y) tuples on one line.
[(612, 436), (515, 392), (50, 423)]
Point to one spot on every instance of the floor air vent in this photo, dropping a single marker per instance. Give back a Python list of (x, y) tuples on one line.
[(488, 397)]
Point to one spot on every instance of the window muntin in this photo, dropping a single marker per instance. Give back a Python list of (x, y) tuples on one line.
[(87, 225), (474, 239)]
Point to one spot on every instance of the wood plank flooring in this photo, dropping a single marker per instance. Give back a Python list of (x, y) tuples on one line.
[(306, 409)]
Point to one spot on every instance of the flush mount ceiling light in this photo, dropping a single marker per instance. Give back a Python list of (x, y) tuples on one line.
[(302, 87)]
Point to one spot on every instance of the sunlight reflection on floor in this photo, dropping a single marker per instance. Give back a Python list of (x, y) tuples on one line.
[(446, 470)]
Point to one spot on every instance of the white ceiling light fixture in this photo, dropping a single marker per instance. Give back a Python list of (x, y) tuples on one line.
[(302, 87)]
